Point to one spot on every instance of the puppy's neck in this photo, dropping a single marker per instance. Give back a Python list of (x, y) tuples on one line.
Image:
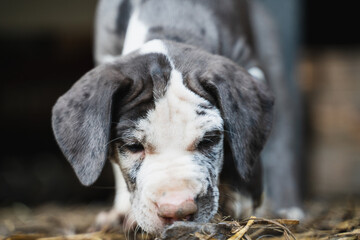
[(195, 23), (190, 24)]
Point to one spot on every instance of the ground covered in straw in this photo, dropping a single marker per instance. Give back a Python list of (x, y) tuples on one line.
[(326, 220)]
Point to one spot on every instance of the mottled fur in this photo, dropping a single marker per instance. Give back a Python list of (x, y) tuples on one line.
[(173, 115)]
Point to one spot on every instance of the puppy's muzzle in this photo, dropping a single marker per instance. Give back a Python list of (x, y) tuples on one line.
[(175, 206)]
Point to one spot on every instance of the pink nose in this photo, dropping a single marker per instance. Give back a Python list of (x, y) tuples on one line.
[(171, 212)]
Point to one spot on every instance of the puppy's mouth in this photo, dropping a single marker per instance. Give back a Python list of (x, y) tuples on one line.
[(169, 221)]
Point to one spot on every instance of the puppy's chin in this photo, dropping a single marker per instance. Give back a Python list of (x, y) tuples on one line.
[(155, 226)]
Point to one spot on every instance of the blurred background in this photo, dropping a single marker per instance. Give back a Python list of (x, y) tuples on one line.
[(45, 46)]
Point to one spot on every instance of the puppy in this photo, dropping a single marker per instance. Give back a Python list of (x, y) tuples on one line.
[(180, 105)]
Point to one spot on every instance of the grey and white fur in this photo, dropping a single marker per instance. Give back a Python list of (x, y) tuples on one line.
[(180, 104)]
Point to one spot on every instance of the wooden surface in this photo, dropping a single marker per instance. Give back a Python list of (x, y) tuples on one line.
[(330, 80)]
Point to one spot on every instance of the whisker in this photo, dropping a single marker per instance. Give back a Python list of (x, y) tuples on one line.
[(113, 140), (126, 229), (230, 133), (135, 231), (125, 234), (131, 224)]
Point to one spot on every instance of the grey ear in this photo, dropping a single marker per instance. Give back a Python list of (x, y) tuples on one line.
[(81, 120), (246, 106)]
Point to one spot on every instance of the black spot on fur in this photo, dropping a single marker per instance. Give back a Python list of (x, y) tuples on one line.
[(206, 106), (86, 95), (200, 112), (134, 171)]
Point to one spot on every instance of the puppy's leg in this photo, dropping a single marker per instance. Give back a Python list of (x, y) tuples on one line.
[(122, 197), (121, 211), (281, 161), (235, 204)]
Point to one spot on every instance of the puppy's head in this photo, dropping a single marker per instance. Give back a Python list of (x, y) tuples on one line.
[(163, 113)]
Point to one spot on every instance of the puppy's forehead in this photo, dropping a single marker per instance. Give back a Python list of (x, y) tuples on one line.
[(180, 116)]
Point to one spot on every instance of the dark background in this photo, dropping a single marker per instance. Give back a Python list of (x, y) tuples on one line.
[(45, 46), (330, 24)]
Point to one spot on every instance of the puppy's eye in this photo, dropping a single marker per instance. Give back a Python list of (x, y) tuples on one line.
[(205, 143), (135, 147), (210, 139)]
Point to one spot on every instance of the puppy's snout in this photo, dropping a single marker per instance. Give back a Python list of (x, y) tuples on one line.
[(178, 212), (176, 208)]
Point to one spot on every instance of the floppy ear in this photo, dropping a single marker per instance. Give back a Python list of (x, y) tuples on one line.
[(246, 106), (81, 120)]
